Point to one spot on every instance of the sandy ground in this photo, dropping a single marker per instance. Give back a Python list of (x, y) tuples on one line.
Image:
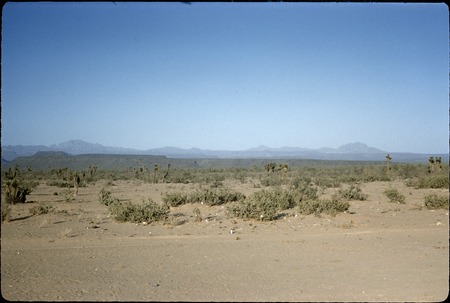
[(379, 251)]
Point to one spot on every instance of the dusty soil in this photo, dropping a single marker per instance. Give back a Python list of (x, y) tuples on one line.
[(378, 251)]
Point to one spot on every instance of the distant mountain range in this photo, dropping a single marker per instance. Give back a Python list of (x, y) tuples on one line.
[(352, 151)]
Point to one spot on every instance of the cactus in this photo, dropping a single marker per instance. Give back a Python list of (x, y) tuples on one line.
[(438, 163), (15, 190), (155, 172), (270, 167), (388, 163), (76, 183)]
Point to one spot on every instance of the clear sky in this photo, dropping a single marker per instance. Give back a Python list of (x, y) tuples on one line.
[(226, 75)]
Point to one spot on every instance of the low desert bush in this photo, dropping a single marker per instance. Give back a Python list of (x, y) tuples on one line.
[(175, 199), (215, 197), (130, 212), (354, 192), (265, 205), (434, 201), (394, 196), (305, 191), (253, 209), (281, 199), (327, 182), (197, 214), (59, 183), (40, 209), (137, 213), (206, 196), (105, 197), (68, 195), (327, 206), (428, 182), (271, 181), (15, 191)]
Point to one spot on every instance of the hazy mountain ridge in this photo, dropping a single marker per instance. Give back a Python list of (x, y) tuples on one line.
[(351, 151)]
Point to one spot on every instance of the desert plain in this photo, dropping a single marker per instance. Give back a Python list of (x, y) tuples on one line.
[(375, 251)]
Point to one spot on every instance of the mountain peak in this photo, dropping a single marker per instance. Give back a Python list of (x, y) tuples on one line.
[(357, 148), (350, 151)]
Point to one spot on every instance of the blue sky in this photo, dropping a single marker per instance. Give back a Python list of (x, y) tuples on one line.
[(226, 75)]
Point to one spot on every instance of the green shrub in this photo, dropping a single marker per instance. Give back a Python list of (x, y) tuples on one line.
[(304, 191), (215, 197), (352, 193), (253, 209), (428, 182), (16, 191), (394, 196), (136, 213), (281, 199), (271, 181), (327, 182), (301, 182), (105, 197), (328, 206), (60, 183), (264, 205), (175, 199), (434, 201), (206, 196), (197, 214)]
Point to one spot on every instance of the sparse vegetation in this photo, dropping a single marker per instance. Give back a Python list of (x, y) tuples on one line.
[(16, 190), (265, 205), (138, 213), (233, 208), (428, 182), (327, 206), (41, 209), (253, 209), (394, 196), (197, 214), (206, 196), (354, 192), (105, 197), (434, 201), (68, 195), (284, 185), (147, 211)]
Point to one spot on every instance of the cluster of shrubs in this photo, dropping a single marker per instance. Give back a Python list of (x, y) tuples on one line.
[(16, 188), (331, 206), (207, 196), (434, 201), (265, 205), (354, 192), (428, 182), (262, 205), (148, 211), (394, 196)]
